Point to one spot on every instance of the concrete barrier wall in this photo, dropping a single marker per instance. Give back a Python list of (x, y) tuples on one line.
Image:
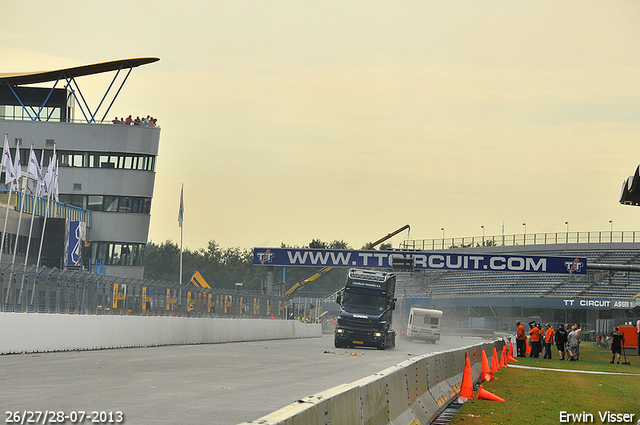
[(30, 332), (413, 392)]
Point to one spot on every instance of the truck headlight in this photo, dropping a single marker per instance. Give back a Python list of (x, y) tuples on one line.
[(377, 334), (339, 331)]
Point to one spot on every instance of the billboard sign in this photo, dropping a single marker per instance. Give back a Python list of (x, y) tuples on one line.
[(77, 236), (424, 260)]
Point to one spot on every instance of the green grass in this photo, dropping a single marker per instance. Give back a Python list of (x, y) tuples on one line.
[(538, 396)]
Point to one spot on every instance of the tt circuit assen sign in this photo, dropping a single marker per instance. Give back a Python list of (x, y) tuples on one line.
[(424, 260)]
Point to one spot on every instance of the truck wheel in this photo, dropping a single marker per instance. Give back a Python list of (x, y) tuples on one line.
[(337, 344), (381, 346)]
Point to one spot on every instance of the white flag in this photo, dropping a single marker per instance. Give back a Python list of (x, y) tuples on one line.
[(17, 165), (47, 187), (35, 169), (10, 175)]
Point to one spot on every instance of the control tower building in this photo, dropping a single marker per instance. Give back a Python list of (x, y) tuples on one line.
[(106, 170)]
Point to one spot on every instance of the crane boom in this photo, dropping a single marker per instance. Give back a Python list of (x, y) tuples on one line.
[(326, 270)]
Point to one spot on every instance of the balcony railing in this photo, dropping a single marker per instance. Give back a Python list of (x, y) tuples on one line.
[(55, 209)]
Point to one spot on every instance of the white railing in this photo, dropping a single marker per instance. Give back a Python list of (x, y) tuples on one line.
[(523, 239)]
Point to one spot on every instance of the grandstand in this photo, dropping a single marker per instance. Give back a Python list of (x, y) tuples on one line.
[(503, 297)]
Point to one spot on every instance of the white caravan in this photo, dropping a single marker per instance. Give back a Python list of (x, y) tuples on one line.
[(424, 324)]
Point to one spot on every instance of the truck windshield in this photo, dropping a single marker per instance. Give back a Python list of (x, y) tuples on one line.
[(362, 303)]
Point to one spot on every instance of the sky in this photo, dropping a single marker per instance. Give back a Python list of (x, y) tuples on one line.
[(289, 121)]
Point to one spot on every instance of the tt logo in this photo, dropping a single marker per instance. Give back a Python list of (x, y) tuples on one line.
[(573, 266), (266, 257)]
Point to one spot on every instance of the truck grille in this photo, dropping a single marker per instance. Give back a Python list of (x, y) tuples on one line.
[(364, 324)]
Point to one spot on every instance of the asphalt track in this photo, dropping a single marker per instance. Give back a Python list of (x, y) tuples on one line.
[(192, 384)]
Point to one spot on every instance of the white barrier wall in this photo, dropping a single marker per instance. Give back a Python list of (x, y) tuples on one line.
[(30, 332), (413, 392)]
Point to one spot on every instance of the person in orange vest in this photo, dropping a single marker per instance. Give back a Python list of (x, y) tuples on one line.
[(534, 334), (548, 342), (521, 339)]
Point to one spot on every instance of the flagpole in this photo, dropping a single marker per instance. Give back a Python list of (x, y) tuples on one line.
[(24, 191), (181, 220), (16, 170), (36, 198), (46, 212), (6, 215)]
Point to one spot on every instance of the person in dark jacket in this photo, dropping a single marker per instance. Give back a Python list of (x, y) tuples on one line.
[(561, 340), (616, 344)]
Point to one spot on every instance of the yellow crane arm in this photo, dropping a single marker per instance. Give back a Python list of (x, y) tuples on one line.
[(325, 270)]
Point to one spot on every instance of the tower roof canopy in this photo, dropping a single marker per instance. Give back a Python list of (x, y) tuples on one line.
[(20, 78)]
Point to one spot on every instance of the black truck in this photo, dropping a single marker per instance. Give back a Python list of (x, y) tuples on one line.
[(367, 305)]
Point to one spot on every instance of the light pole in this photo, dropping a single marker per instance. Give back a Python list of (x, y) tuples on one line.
[(442, 228), (567, 232), (525, 233), (611, 226), (482, 227)]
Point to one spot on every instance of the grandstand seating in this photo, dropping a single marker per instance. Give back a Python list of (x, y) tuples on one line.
[(597, 283)]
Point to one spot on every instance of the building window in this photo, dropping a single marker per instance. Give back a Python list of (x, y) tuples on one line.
[(99, 203), (94, 203), (118, 253), (110, 203)]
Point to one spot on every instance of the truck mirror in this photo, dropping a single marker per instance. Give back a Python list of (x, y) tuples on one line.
[(338, 298), (393, 304)]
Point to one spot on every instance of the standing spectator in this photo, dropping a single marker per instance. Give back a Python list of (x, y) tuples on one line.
[(638, 329), (129, 120), (561, 340), (616, 344), (521, 339), (136, 121), (116, 120), (579, 331), (534, 334), (574, 344), (548, 342)]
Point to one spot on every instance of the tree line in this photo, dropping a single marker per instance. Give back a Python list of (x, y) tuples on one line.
[(222, 268)]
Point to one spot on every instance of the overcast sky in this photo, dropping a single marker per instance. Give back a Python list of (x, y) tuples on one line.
[(293, 120)]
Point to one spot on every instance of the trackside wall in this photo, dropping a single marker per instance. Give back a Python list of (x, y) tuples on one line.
[(22, 332), (413, 392)]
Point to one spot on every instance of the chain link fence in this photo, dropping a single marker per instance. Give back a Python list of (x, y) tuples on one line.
[(34, 289)]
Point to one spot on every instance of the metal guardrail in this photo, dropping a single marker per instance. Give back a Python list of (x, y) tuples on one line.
[(523, 239), (46, 290)]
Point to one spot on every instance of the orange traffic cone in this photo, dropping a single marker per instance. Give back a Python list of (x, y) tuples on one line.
[(494, 362), (528, 350), (486, 371), (486, 395), (510, 357), (466, 388), (503, 357)]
